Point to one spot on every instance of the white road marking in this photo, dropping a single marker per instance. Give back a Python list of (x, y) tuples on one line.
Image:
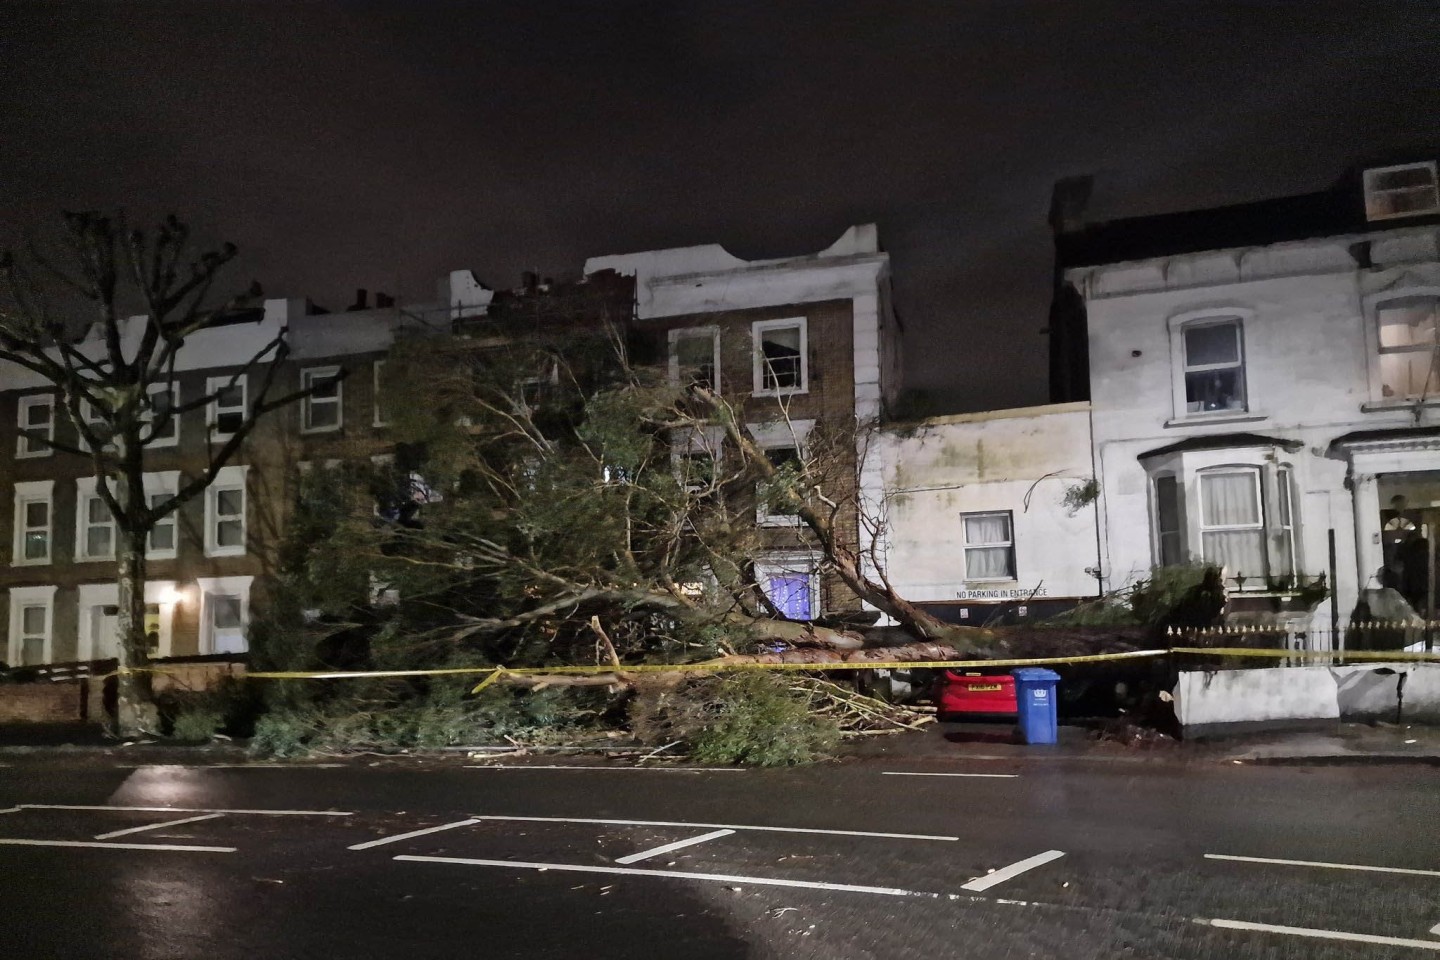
[(1328, 866), (561, 766), (723, 826), (182, 848), (14, 809), (1014, 870), (994, 776), (270, 813), (1436, 930), (677, 874), (677, 845), (1321, 934), (157, 826), (413, 833)]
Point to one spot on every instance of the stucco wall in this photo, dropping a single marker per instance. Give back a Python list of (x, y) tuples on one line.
[(1022, 461), (1350, 692)]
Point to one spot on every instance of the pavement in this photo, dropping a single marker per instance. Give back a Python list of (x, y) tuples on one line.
[(124, 855)]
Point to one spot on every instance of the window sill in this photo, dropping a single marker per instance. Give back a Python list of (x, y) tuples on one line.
[(780, 522), (312, 431), (31, 563), (34, 456), (225, 552), (796, 392), (110, 559), (1202, 419), (1391, 406)]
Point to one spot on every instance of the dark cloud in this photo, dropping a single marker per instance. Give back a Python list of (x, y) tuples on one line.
[(380, 145)]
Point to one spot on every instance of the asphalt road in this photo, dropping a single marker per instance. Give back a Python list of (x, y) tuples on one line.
[(416, 859)]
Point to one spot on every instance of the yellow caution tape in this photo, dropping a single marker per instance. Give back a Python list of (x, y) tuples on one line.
[(1281, 654)]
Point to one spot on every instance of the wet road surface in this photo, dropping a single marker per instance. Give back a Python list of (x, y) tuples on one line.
[(420, 859)]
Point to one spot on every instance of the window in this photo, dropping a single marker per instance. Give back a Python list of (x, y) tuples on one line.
[(225, 514), (1284, 560), (34, 526), (1170, 529), (695, 358), (94, 526), (227, 406), (782, 364), (1408, 347), (773, 507), (1232, 523), (791, 584), (1214, 366), (37, 425), (32, 617), (531, 392), (695, 456), (1407, 190), (224, 614), (160, 487), (162, 399), (989, 546), (321, 409), (382, 410)]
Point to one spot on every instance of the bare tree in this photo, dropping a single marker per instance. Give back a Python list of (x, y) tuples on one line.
[(114, 373)]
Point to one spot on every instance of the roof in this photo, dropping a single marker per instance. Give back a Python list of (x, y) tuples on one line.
[(1221, 441), (1338, 211), (1380, 436)]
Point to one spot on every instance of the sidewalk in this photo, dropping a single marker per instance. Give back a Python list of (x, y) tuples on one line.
[(1334, 743)]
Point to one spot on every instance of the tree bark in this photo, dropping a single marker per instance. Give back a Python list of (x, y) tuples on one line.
[(134, 703)]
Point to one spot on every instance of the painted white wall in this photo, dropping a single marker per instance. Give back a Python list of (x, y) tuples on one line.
[(1311, 376), (1023, 461), (1352, 691)]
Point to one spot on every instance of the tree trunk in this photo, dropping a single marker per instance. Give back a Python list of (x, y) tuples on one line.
[(135, 706)]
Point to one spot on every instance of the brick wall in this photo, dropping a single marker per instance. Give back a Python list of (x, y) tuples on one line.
[(42, 702)]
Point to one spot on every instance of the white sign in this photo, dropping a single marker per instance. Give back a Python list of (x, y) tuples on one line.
[(1019, 593)]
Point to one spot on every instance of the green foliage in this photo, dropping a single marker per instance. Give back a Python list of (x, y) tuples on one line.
[(198, 723), (1081, 495), (750, 718), (1189, 594)]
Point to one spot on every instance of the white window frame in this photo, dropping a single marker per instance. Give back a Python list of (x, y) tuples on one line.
[(26, 493), (20, 598), (22, 440), (550, 377), (163, 483), (1157, 540), (1176, 325), (174, 391), (1009, 545), (308, 376), (213, 410), (757, 332), (228, 479), (792, 563), (1375, 197), (706, 441), (378, 378), (85, 492), (696, 333), (1258, 475), (222, 587), (1373, 307), (1238, 364), (779, 435)]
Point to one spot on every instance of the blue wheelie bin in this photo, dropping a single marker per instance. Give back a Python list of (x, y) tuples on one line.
[(1035, 698)]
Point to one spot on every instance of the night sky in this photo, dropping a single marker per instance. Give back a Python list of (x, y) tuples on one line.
[(381, 145)]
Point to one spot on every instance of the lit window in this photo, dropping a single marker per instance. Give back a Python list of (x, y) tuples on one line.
[(227, 406), (1407, 190), (790, 583), (1408, 347), (162, 399), (225, 514), (782, 364), (94, 526), (321, 408), (989, 546), (32, 618), (1232, 523), (1214, 367), (224, 614), (37, 426), (34, 514), (695, 358)]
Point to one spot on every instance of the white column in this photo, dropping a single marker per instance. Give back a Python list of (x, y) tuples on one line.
[(1369, 551)]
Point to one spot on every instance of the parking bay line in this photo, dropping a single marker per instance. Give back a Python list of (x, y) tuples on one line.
[(677, 845), (1321, 863), (158, 826), (990, 776), (1014, 870), (413, 833), (722, 826), (179, 847), (673, 874), (268, 813), (1320, 934)]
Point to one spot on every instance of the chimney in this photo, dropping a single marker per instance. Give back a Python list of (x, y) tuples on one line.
[(1068, 201), (362, 299), (383, 301)]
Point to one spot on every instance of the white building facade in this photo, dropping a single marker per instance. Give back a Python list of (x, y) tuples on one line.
[(1265, 394)]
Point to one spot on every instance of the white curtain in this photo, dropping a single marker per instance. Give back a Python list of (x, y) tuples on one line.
[(1231, 500), (988, 562)]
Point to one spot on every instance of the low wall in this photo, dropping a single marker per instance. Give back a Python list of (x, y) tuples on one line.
[(1367, 691), (43, 702)]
